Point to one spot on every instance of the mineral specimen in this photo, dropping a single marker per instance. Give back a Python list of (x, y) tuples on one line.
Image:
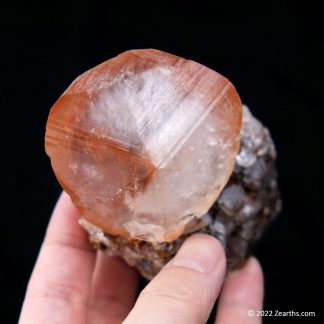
[(145, 144)]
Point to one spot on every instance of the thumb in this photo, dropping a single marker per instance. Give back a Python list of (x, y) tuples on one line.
[(186, 288)]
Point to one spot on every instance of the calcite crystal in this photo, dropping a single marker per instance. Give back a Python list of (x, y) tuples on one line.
[(145, 144)]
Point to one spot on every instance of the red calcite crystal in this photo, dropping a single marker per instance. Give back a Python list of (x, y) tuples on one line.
[(145, 142)]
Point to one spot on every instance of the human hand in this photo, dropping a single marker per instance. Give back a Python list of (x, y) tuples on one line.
[(72, 283)]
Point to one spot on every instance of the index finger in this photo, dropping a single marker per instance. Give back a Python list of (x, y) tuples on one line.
[(59, 288)]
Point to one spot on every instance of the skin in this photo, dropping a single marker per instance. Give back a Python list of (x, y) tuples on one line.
[(72, 283)]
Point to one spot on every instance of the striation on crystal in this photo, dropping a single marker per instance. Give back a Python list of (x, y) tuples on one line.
[(145, 142)]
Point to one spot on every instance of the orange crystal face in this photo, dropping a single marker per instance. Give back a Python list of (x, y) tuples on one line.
[(145, 142)]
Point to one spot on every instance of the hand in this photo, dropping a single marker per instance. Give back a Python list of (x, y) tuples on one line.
[(71, 283)]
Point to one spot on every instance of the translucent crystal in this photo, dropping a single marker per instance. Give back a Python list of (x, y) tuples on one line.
[(145, 142)]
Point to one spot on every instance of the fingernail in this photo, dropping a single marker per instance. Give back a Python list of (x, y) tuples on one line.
[(200, 252), (252, 265)]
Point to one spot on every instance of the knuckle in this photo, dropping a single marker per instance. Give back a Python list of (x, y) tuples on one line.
[(107, 298), (61, 292), (67, 240)]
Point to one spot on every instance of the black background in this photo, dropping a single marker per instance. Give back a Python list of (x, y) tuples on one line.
[(271, 51)]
